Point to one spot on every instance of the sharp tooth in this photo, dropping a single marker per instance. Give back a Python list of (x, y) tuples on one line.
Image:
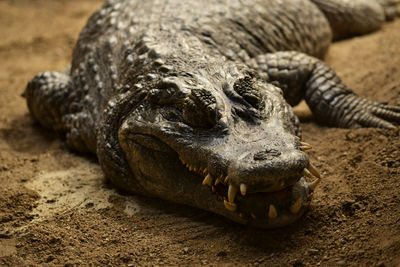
[(272, 213), (307, 173), (205, 171), (305, 148), (298, 138), (305, 144), (226, 180), (253, 216), (217, 181), (207, 180), (296, 206), (200, 170), (243, 189), (314, 184), (213, 189), (230, 206), (232, 191), (194, 169), (314, 171)]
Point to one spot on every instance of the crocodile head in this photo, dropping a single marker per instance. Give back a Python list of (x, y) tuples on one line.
[(223, 142)]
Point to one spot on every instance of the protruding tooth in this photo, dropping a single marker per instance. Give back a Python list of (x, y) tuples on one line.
[(243, 189), (298, 138), (307, 173), (232, 191), (190, 168), (314, 184), (305, 144), (304, 147), (230, 206), (272, 213), (253, 216), (226, 180), (200, 170), (217, 181), (205, 171), (207, 180), (194, 169), (313, 170), (296, 206), (213, 189)]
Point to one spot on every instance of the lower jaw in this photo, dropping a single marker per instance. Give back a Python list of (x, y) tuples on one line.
[(268, 210)]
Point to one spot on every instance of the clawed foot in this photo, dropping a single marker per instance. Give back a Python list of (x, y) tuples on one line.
[(363, 113)]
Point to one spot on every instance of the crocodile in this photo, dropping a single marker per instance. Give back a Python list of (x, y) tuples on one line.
[(191, 101)]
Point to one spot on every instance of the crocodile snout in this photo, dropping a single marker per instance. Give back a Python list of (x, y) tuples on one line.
[(268, 170)]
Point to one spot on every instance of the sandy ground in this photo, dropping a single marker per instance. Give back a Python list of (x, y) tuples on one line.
[(56, 209)]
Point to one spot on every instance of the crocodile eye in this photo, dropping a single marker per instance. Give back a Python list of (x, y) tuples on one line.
[(248, 90), (200, 109)]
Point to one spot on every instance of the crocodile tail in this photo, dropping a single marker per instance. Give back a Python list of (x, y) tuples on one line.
[(350, 18)]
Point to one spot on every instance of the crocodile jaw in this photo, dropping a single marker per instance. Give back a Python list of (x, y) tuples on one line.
[(163, 172), (259, 209)]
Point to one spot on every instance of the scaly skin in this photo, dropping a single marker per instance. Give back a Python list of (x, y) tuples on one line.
[(190, 100)]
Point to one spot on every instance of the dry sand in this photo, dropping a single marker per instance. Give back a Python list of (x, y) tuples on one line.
[(56, 209)]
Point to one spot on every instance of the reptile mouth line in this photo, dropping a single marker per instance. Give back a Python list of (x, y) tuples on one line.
[(227, 192)]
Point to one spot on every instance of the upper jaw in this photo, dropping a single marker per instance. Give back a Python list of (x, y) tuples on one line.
[(269, 174)]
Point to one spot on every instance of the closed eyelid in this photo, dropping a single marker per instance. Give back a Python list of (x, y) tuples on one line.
[(247, 88)]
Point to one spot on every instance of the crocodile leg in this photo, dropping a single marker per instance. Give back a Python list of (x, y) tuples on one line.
[(47, 95), (354, 17), (54, 103), (332, 102)]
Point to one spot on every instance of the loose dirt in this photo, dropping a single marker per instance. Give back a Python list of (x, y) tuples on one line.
[(57, 209)]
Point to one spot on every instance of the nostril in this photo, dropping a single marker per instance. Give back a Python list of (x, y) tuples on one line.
[(268, 170), (267, 154)]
